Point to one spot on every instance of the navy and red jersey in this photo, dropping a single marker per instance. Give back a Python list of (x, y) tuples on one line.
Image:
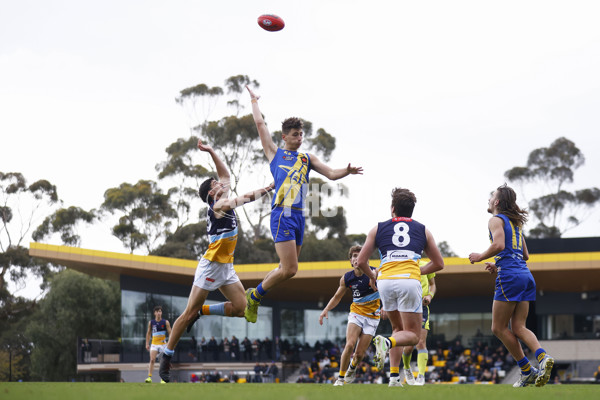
[(401, 242)]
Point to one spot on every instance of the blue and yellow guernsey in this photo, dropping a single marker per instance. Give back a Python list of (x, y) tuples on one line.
[(365, 301), (290, 171), (400, 242), (159, 331), (511, 258), (222, 236)]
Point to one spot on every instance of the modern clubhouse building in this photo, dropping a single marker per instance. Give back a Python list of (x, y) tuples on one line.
[(565, 317)]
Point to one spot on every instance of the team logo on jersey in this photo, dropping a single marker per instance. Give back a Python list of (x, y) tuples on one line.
[(400, 255), (304, 160), (288, 158)]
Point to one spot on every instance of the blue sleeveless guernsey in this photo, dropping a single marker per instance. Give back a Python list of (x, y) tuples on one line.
[(290, 171), (511, 258), (400, 242)]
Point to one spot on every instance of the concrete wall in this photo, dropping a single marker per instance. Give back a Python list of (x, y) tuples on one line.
[(573, 350)]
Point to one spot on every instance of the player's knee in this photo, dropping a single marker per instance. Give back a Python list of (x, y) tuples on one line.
[(497, 330), (289, 272), (414, 340), (238, 310), (519, 330)]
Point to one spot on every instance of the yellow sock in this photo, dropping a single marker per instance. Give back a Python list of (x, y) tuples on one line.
[(422, 358), (406, 360), (392, 341), (342, 373), (205, 310), (395, 370)]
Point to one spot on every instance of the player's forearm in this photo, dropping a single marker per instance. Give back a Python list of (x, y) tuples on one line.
[(331, 305), (339, 173), (257, 194), (222, 171), (491, 251)]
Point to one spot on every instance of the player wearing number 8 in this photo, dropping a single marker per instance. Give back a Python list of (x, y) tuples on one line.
[(401, 241)]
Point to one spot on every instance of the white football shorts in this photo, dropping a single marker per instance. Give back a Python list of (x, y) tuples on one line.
[(404, 295), (211, 275), (368, 325), (159, 348)]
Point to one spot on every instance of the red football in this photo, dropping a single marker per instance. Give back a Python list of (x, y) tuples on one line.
[(270, 22)]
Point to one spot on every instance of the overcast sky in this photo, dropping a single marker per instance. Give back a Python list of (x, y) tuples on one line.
[(440, 97)]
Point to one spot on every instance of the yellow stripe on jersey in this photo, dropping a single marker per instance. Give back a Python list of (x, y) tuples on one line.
[(369, 309), (159, 337), (400, 270), (221, 250)]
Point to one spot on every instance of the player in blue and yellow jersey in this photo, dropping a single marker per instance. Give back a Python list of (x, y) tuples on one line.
[(515, 286), (290, 169), (362, 320), (156, 338), (215, 268), (429, 289), (401, 240)]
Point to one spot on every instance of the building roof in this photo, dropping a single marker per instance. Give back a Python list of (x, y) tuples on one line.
[(318, 281)]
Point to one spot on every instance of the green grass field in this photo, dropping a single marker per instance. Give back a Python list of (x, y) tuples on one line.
[(225, 391)]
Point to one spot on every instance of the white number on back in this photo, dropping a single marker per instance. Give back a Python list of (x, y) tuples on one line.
[(401, 231)]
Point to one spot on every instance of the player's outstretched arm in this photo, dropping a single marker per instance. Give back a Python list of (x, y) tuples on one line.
[(496, 227), (268, 145), (330, 173), (334, 301), (224, 205), (222, 171)]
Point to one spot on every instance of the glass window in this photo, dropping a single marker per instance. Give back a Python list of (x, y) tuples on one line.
[(133, 303), (333, 328), (292, 325), (134, 327), (178, 305), (263, 327), (153, 300), (562, 326), (445, 324)]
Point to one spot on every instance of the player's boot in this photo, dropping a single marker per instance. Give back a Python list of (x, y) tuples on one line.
[(251, 312), (526, 380), (338, 382), (192, 322), (381, 348), (350, 374), (395, 381), (410, 378), (545, 371), (420, 381), (164, 370), (148, 379)]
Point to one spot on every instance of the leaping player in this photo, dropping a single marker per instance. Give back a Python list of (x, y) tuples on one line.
[(290, 169)]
